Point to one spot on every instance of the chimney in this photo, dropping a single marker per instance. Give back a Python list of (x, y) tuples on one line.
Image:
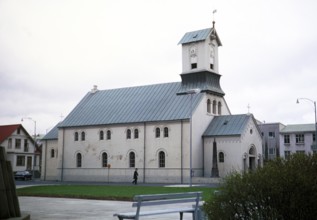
[(94, 89)]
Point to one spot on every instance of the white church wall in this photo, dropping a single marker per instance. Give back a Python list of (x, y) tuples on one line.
[(49, 163)]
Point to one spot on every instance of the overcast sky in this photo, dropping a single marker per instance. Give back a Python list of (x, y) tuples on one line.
[(52, 52)]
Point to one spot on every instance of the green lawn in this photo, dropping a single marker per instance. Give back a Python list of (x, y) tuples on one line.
[(123, 193)]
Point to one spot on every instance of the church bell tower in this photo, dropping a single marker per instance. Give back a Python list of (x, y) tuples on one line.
[(200, 67)]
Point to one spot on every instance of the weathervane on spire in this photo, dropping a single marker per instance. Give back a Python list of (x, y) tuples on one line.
[(213, 17)]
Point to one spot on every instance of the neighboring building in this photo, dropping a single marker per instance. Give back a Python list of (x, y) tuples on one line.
[(271, 139), (19, 146), (298, 138), (111, 132)]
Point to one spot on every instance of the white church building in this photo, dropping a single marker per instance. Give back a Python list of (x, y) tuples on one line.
[(168, 131)]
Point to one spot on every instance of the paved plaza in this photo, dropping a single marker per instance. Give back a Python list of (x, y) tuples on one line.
[(61, 208)]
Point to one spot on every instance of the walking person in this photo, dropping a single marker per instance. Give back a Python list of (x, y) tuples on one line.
[(135, 176)]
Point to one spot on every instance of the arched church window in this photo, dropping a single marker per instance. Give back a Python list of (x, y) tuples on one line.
[(161, 159), (128, 134), (131, 159), (108, 134), (208, 106), (219, 108), (104, 160), (166, 132), (101, 135), (83, 136), (76, 136), (214, 107), (136, 133), (78, 160), (157, 132), (221, 157)]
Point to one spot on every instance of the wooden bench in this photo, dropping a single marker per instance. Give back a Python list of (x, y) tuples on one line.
[(191, 198)]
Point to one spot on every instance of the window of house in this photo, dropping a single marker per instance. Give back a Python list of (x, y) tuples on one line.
[(18, 131), (104, 159), (9, 143), (214, 107), (136, 133), (131, 159), (52, 153), (219, 108), (26, 145), (208, 106), (108, 134), (128, 134), (161, 159), (286, 139), (17, 143), (20, 161), (83, 136), (221, 157), (300, 138), (76, 136), (271, 134), (101, 135), (157, 132), (166, 132), (78, 160), (314, 137)]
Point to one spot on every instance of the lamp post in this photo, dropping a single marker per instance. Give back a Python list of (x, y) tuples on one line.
[(314, 102), (29, 118), (191, 92)]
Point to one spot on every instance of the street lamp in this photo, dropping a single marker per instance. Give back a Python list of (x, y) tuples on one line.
[(191, 92), (29, 118), (314, 102)]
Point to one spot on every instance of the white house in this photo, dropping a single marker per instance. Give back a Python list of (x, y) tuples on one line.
[(20, 148), (298, 138), (165, 130)]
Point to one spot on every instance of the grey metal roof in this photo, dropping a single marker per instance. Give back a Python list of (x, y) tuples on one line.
[(227, 125), (131, 105), (298, 128), (195, 36), (52, 134)]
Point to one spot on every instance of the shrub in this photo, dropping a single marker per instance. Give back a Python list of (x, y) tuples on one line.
[(282, 189)]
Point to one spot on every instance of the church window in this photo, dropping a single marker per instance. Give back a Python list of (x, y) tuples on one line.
[(208, 106), (214, 107), (157, 132), (76, 136), (128, 134), (166, 132), (108, 134), (101, 135), (52, 153), (131, 159), (104, 160), (194, 65), (161, 159), (136, 133), (78, 160), (83, 136), (219, 108), (221, 157)]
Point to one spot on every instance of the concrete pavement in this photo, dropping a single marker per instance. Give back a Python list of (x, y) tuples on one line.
[(61, 208)]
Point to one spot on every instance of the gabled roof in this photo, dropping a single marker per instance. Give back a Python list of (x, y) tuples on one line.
[(7, 130), (52, 134), (227, 125), (298, 128), (150, 103), (199, 35)]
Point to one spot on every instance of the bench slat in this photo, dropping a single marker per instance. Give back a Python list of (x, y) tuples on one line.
[(166, 196), (154, 212), (163, 202)]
